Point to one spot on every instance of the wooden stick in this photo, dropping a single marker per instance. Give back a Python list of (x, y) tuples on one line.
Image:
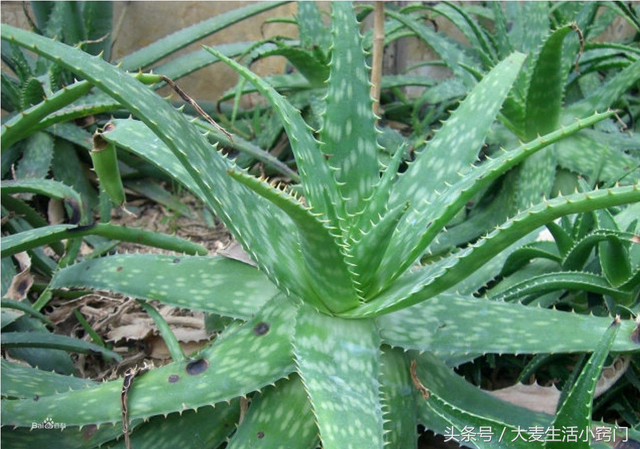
[(378, 51)]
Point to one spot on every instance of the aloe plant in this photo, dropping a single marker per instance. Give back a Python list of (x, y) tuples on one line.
[(558, 84), (328, 323), (43, 99), (46, 139)]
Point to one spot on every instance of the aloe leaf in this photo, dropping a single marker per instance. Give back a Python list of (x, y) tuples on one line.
[(72, 134), (180, 39), (136, 138), (296, 82), (19, 381), (533, 269), (152, 189), (39, 259), (67, 168), (33, 238), (348, 121), (335, 289), (32, 92), (25, 307), (52, 437), (169, 338), (561, 238), (204, 427), (576, 408), (457, 392), (279, 417), (282, 83), (191, 62), (219, 373), (491, 270), (543, 106), (546, 86), (391, 81), (442, 325), (587, 18), (604, 97), (311, 28), (549, 282), (416, 231), (502, 41), (105, 164), (614, 261), (420, 285), (471, 30), (21, 63), (457, 143), (479, 221), (98, 20), (462, 426), (53, 341), (29, 219), (249, 150), (179, 430), (605, 163), (10, 93), (448, 50), (319, 185), (627, 12), (23, 124), (46, 187), (599, 56), (529, 25), (57, 360), (93, 103), (632, 284), (522, 256), (67, 19), (578, 255), (398, 400), (212, 284), (36, 157), (613, 252), (369, 250), (379, 201), (236, 206), (331, 355), (305, 61)]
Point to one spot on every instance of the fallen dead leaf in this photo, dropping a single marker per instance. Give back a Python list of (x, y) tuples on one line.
[(234, 251), (21, 282), (533, 397)]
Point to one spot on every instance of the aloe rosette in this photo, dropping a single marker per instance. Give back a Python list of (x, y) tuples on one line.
[(329, 322)]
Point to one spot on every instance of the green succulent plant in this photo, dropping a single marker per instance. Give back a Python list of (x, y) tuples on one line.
[(46, 140), (612, 271), (42, 99), (327, 326), (570, 73)]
